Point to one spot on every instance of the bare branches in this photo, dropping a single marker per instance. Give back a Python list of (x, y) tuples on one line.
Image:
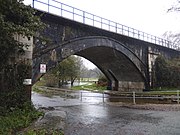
[(175, 7), (173, 37)]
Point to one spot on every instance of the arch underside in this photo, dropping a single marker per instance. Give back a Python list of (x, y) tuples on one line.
[(116, 66), (121, 66)]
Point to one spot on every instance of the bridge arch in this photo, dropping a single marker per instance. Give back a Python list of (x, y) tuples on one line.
[(120, 65)]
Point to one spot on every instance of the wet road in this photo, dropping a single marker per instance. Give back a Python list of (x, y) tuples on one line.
[(96, 118), (112, 120)]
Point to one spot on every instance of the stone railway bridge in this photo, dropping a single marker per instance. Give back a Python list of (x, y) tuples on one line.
[(126, 61)]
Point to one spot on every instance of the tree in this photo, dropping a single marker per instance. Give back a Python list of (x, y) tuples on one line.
[(175, 7), (68, 69), (15, 19), (167, 72), (161, 72), (98, 73), (174, 38)]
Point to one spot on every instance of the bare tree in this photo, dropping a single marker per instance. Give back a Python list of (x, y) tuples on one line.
[(172, 37), (169, 35), (175, 7)]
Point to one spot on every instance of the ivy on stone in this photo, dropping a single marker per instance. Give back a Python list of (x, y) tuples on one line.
[(167, 72), (15, 19)]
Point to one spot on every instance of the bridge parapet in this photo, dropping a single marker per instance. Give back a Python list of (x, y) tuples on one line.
[(66, 11)]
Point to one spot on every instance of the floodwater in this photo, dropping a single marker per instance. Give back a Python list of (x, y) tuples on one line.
[(76, 83), (67, 99), (93, 117)]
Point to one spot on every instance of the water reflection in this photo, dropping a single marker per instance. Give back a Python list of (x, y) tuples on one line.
[(93, 97), (69, 98), (76, 83), (93, 111)]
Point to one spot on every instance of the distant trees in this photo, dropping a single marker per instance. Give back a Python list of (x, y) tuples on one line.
[(91, 73)]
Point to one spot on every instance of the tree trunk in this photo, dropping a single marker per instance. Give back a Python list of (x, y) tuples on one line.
[(59, 83), (72, 80), (62, 82)]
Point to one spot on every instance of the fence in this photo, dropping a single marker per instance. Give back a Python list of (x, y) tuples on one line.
[(133, 96), (63, 10), (130, 97)]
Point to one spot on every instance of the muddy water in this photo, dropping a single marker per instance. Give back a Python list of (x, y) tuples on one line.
[(91, 117)]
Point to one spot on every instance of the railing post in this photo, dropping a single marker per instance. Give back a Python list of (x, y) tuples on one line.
[(33, 3), (65, 95), (73, 13), (128, 31), (84, 17), (178, 96), (103, 96), (61, 10), (122, 29), (101, 22), (143, 35), (133, 32), (48, 6), (116, 28), (162, 42), (81, 95), (168, 44), (134, 98)]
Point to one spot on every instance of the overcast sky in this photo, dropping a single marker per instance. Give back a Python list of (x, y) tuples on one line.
[(149, 16)]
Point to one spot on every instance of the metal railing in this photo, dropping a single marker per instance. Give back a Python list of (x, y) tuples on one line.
[(133, 97), (75, 14)]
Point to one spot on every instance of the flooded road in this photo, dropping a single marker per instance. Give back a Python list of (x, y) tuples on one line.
[(112, 120), (93, 117)]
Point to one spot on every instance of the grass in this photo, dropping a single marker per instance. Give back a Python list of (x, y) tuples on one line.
[(165, 89), (16, 119), (35, 89), (166, 93), (47, 92), (162, 91), (42, 132)]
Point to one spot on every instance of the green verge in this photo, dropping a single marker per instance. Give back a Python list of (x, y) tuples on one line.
[(90, 87), (16, 122), (42, 132), (15, 119)]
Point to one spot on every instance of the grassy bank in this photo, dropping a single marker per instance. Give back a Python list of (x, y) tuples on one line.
[(15, 119)]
